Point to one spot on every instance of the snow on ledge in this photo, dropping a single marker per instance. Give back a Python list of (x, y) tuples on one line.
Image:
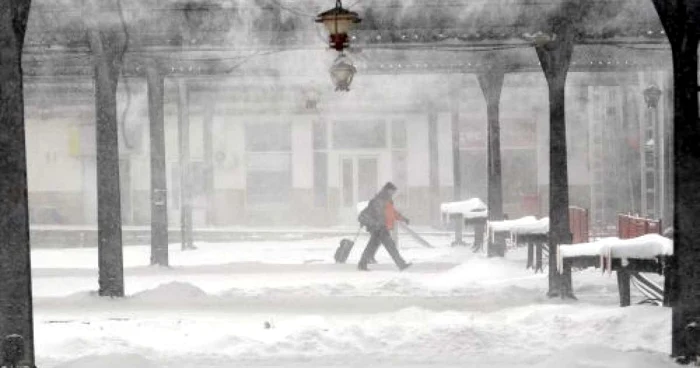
[(471, 209), (647, 246)]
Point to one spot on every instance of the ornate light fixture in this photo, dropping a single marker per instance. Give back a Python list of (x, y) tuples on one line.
[(651, 96), (338, 21), (342, 73), (539, 38)]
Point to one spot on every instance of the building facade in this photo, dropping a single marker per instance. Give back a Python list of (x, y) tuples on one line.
[(265, 151)]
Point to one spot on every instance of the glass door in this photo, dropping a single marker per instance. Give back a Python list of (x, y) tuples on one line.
[(367, 178), (359, 182)]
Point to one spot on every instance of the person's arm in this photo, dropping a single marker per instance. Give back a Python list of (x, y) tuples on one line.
[(399, 216)]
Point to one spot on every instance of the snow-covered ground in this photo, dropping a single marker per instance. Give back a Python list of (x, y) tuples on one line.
[(285, 304)]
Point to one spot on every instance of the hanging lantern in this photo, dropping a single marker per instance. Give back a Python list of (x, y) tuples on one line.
[(539, 38), (652, 95), (342, 73), (338, 21)]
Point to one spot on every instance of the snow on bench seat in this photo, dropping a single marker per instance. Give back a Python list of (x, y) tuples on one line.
[(648, 246), (521, 226), (540, 226), (471, 209)]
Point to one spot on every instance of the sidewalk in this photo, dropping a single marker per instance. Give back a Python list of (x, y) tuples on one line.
[(62, 236)]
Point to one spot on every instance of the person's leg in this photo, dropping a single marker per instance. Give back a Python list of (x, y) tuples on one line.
[(369, 251), (371, 259), (385, 238)]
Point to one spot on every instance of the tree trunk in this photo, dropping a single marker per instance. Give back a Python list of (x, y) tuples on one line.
[(680, 20), (159, 190), (16, 315), (454, 88), (107, 47), (555, 57), (491, 83)]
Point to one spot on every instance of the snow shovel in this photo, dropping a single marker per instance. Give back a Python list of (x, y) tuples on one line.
[(415, 236)]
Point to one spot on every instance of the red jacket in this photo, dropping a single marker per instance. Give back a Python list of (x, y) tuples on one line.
[(391, 215)]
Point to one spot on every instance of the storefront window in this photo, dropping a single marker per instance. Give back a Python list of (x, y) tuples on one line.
[(359, 134), (400, 177), (320, 136), (320, 179), (269, 163), (268, 137), (398, 134)]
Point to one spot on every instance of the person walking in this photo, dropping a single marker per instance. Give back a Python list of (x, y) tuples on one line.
[(379, 218)]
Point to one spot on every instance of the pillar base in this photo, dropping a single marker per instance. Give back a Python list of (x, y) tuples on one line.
[(497, 246)]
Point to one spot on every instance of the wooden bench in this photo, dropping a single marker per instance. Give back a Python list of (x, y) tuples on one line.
[(537, 243), (630, 268), (465, 213), (629, 226)]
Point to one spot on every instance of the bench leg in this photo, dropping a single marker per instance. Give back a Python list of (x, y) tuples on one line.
[(668, 281), (478, 237), (459, 229), (530, 255), (538, 257), (497, 245), (623, 285)]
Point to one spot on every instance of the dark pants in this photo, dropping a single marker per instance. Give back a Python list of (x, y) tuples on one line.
[(378, 237)]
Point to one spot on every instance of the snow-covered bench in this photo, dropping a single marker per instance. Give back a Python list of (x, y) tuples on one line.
[(473, 208), (627, 257), (470, 212), (519, 227), (534, 233), (526, 230)]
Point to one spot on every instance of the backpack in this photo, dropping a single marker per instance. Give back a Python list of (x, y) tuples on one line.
[(365, 217)]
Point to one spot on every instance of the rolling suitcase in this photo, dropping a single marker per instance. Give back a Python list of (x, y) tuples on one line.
[(343, 250)]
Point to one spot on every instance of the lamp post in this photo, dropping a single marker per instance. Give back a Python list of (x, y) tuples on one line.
[(652, 95), (651, 154)]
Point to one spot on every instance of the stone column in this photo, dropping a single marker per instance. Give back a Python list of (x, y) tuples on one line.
[(456, 156), (555, 57), (159, 191), (491, 82), (434, 162), (207, 137), (108, 45), (184, 163), (681, 22)]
